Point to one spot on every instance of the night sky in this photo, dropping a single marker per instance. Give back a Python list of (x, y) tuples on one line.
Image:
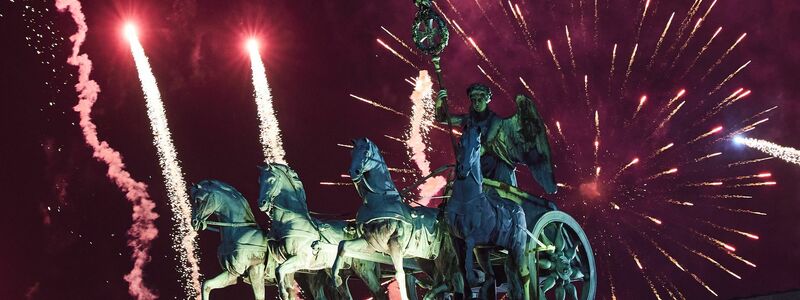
[(65, 223)]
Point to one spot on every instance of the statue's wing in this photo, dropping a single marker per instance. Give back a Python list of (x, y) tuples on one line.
[(529, 144)]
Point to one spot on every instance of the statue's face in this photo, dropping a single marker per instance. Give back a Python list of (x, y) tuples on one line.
[(480, 100)]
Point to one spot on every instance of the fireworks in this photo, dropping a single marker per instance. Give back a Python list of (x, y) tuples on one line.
[(660, 40), (184, 235), (401, 57), (143, 230), (785, 153), (679, 129), (422, 117), (270, 136), (719, 61)]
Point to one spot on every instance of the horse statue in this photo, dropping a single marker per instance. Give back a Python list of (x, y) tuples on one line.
[(243, 249), (246, 250), (301, 240), (481, 223), (388, 225)]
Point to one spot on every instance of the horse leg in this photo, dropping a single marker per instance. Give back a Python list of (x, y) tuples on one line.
[(285, 274), (465, 292), (222, 280), (469, 263), (256, 275), (370, 272), (344, 247), (489, 285), (396, 252)]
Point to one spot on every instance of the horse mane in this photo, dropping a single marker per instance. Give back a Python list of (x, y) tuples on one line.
[(231, 194)]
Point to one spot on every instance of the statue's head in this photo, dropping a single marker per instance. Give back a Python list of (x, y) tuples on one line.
[(480, 95), (272, 179), (203, 205), (363, 158)]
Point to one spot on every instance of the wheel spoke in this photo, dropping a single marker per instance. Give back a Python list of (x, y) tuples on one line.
[(571, 290), (560, 293), (559, 239), (548, 283)]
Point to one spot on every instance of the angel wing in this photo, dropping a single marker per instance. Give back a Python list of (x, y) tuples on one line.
[(522, 138)]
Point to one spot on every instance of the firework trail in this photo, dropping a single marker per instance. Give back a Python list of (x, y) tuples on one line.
[(555, 60), (184, 238), (270, 136), (660, 40), (422, 114), (527, 88), (611, 72), (641, 21), (670, 115), (397, 54), (746, 162), (143, 229), (702, 50), (398, 40), (719, 61), (628, 71), (719, 86), (686, 43), (639, 107), (710, 132), (485, 58), (493, 81), (787, 154), (685, 23), (526, 31), (673, 99), (571, 53)]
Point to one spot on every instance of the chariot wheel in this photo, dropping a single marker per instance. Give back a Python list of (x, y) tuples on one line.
[(561, 261)]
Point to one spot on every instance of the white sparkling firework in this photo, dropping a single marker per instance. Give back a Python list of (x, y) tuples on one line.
[(422, 113), (785, 153), (270, 136), (184, 237)]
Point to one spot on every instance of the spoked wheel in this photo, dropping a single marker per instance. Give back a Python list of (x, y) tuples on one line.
[(561, 261)]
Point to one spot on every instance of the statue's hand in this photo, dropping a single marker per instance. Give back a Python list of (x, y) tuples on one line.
[(442, 95)]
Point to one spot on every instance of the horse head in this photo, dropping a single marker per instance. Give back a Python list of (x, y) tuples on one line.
[(274, 178), (469, 153), (365, 157), (203, 204)]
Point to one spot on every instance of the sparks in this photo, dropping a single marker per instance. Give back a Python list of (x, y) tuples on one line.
[(787, 154), (270, 137), (398, 40), (660, 40), (702, 158), (677, 96), (670, 115), (670, 171), (422, 116), (699, 53), (611, 71), (396, 54), (639, 107), (527, 88), (712, 131), (378, 105), (719, 86), (628, 71), (719, 61), (184, 238), (571, 53)]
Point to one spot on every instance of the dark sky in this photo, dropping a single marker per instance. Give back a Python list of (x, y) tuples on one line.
[(66, 222)]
